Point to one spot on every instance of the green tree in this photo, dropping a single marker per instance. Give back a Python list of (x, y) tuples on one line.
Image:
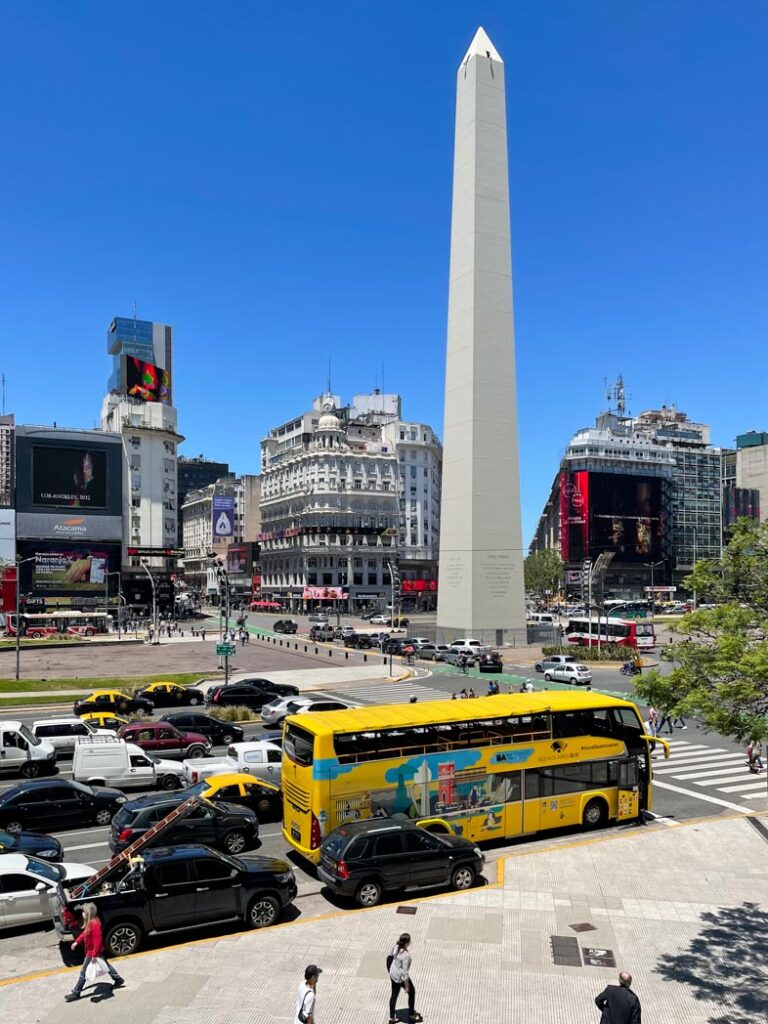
[(721, 664), (543, 572)]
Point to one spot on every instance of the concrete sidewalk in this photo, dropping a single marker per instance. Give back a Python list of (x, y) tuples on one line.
[(684, 908)]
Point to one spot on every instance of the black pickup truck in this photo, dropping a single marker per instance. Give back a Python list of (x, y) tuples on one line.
[(180, 887)]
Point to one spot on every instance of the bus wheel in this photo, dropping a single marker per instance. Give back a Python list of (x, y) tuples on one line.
[(595, 814), (368, 894)]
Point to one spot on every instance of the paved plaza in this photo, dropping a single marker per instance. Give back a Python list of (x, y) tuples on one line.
[(684, 908)]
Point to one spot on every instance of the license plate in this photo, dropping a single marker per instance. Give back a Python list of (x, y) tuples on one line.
[(296, 833)]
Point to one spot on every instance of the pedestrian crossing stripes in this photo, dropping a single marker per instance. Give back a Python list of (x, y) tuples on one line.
[(389, 693), (711, 768)]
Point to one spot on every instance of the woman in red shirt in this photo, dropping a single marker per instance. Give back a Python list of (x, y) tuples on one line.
[(93, 942)]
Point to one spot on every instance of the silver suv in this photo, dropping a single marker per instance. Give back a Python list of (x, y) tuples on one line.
[(552, 661)]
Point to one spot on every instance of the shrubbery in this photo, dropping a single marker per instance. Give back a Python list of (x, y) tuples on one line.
[(235, 714), (608, 652)]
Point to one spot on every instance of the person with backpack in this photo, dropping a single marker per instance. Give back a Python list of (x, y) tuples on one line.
[(306, 998), (399, 968)]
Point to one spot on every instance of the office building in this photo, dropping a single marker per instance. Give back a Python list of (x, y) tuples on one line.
[(145, 343), (480, 590), (752, 474), (193, 474), (6, 461)]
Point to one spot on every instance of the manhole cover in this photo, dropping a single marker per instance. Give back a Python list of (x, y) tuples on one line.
[(565, 950), (599, 957), (583, 926), (406, 910)]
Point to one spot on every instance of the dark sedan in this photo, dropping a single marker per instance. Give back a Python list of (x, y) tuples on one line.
[(171, 695), (285, 626), (32, 844), (219, 733), (249, 693), (491, 662), (57, 804)]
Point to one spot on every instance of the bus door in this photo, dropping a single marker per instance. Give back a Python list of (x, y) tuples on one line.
[(531, 803), (629, 789)]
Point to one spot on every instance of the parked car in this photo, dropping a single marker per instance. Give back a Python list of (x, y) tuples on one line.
[(318, 616), (259, 758), (250, 693), (104, 720), (165, 739), (170, 695), (263, 798), (22, 753), (217, 731), (554, 661), (470, 646), (224, 826), (365, 859), (190, 886), (491, 662), (25, 883), (454, 655), (111, 761), (56, 804), (273, 714), (63, 733), (418, 642), (393, 645), (114, 701), (379, 619), (433, 652), (571, 673), (285, 626), (367, 616), (325, 633), (358, 641), (342, 632), (33, 844)]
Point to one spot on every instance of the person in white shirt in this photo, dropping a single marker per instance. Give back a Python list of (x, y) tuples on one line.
[(400, 976), (306, 998)]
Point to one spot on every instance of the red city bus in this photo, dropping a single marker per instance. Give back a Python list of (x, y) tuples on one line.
[(37, 625), (624, 632)]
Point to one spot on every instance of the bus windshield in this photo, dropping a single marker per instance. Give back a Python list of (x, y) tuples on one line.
[(298, 745)]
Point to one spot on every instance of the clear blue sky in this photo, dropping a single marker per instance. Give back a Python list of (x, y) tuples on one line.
[(274, 180)]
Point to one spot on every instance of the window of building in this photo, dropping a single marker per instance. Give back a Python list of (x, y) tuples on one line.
[(311, 579), (327, 579), (358, 563), (135, 442), (135, 462), (371, 563), (357, 579)]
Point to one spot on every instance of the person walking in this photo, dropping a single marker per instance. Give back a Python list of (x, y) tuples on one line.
[(666, 718), (399, 962), (92, 940), (754, 756), (618, 1003), (306, 998)]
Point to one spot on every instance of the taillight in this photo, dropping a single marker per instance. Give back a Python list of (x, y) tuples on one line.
[(315, 836), (217, 697), (195, 777), (125, 835), (341, 869)]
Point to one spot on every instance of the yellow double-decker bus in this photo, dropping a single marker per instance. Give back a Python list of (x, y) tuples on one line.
[(491, 768)]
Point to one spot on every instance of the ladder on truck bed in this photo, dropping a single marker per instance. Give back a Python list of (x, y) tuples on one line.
[(88, 887)]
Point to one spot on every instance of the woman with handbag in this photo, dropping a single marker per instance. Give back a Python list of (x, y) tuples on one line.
[(95, 967), (399, 964)]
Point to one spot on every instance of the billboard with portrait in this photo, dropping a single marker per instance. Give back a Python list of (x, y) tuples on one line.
[(146, 381), (612, 512), (73, 477)]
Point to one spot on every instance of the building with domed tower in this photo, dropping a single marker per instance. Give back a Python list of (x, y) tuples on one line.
[(331, 505)]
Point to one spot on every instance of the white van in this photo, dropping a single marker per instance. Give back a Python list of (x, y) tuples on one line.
[(23, 753), (542, 618), (63, 732), (106, 760)]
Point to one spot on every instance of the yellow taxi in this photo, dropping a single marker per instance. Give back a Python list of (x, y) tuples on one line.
[(104, 720), (115, 701), (264, 798), (167, 694)]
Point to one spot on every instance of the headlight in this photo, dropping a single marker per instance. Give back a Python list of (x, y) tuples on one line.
[(282, 879), (120, 799), (48, 853), (477, 851)]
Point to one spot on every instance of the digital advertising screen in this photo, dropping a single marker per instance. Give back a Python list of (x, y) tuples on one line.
[(146, 381), (625, 516), (69, 572), (73, 477)]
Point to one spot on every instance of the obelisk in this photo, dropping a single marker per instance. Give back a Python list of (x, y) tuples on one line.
[(480, 589)]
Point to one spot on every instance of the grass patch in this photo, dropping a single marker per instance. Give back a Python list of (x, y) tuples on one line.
[(125, 683), (60, 641), (12, 702)]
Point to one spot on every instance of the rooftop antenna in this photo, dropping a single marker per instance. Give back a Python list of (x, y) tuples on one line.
[(2, 379), (383, 389), (329, 375), (617, 393)]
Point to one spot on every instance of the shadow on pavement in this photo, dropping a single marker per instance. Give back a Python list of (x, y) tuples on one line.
[(725, 963)]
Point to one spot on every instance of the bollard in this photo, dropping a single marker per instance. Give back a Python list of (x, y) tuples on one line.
[(330, 653), (365, 658), (305, 648), (346, 655)]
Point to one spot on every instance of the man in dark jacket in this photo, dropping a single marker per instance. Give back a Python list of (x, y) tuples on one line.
[(619, 1003)]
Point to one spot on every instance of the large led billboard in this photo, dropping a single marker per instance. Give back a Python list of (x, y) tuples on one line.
[(146, 381), (611, 512), (75, 477), (72, 572)]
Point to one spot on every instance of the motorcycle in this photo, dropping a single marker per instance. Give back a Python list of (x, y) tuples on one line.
[(628, 669)]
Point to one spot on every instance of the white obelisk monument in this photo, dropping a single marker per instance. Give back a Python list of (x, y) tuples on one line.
[(480, 589)]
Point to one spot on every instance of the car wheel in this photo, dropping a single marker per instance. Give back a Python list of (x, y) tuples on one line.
[(227, 738), (196, 751), (103, 817), (548, 676), (123, 939), (169, 782), (13, 826), (194, 701), (368, 893), (30, 770), (595, 814), (234, 842), (122, 707), (463, 877), (263, 912)]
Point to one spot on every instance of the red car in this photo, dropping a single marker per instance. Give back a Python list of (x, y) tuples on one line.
[(165, 739)]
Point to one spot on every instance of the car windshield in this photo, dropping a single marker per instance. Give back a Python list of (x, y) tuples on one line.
[(30, 737), (80, 787), (51, 872), (9, 794), (198, 789)]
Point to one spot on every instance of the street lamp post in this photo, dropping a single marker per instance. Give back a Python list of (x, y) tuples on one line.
[(19, 563), (119, 597), (155, 637), (652, 566)]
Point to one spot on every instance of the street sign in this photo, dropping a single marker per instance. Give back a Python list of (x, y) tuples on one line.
[(225, 650)]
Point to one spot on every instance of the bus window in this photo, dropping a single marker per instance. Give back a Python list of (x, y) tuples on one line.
[(298, 744), (629, 719)]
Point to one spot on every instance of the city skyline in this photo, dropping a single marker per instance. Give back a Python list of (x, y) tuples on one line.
[(635, 234)]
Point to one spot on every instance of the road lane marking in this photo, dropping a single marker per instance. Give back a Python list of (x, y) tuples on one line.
[(84, 846), (702, 796)]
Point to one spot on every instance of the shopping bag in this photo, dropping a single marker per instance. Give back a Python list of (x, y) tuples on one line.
[(96, 971)]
